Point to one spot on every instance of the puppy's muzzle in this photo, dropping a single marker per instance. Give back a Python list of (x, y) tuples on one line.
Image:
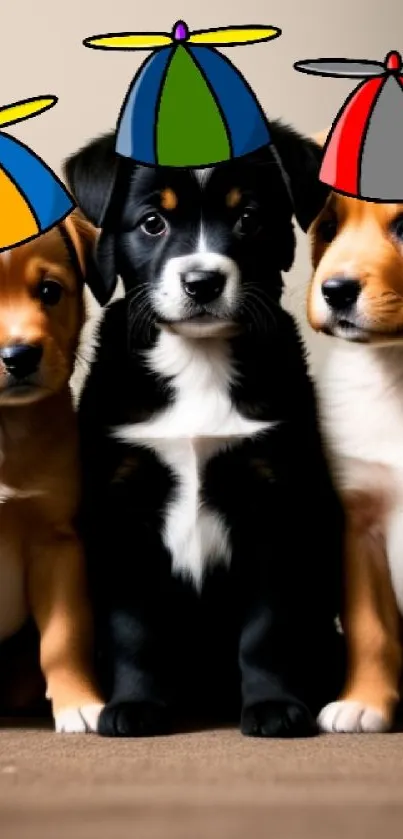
[(341, 293), (21, 360), (203, 287)]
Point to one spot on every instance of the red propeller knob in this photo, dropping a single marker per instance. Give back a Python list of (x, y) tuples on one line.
[(393, 61)]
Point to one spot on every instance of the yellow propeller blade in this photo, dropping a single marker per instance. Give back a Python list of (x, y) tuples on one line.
[(234, 35), (9, 114), (128, 41)]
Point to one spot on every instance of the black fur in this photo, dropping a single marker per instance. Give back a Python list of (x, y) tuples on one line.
[(104, 188), (260, 638)]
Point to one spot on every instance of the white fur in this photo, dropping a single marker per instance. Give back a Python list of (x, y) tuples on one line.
[(203, 175), (362, 406), (345, 717), (89, 339), (83, 720), (202, 241), (361, 319), (201, 422), (170, 299), (362, 392), (362, 401)]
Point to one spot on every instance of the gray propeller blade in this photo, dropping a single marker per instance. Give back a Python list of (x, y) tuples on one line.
[(341, 68)]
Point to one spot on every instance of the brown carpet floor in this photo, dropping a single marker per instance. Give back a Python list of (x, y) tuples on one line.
[(195, 786)]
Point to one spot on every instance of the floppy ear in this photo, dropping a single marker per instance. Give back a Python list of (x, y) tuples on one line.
[(300, 159), (83, 237), (90, 253), (91, 174)]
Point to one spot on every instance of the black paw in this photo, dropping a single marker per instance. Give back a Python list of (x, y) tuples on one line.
[(278, 719), (133, 719)]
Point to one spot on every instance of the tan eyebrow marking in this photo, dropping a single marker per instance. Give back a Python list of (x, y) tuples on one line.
[(233, 198), (169, 199)]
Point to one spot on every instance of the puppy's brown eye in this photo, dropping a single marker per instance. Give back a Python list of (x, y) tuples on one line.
[(154, 225), (327, 230), (248, 223), (397, 227), (49, 292)]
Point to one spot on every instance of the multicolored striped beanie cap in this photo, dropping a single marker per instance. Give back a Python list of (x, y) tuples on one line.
[(188, 106), (32, 199), (363, 152)]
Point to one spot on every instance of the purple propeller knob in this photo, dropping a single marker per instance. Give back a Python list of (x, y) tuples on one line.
[(180, 31)]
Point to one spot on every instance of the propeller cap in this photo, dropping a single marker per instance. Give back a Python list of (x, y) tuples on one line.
[(33, 200), (362, 155), (188, 106)]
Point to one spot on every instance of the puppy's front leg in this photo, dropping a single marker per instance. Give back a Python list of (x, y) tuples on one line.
[(134, 614), (57, 591), (371, 626), (270, 643), (137, 707)]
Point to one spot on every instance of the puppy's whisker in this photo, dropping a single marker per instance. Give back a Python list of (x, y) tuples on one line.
[(137, 291), (139, 312), (257, 316), (255, 295), (141, 316), (249, 311)]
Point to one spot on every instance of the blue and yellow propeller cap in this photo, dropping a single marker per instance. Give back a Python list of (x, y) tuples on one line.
[(32, 199), (188, 106)]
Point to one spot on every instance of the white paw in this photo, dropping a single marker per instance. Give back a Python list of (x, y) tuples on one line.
[(349, 717), (82, 720)]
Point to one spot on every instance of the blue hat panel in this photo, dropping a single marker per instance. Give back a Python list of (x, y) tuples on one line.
[(137, 122), (248, 129), (45, 194)]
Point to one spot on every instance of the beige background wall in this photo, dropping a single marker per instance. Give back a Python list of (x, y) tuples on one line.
[(41, 52)]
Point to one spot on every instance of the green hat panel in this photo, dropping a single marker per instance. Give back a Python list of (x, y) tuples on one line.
[(189, 123)]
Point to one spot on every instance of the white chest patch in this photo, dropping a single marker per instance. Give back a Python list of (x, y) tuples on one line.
[(201, 422), (362, 408)]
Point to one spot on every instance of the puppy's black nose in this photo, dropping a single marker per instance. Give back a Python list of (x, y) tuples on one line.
[(203, 286), (341, 292), (21, 360)]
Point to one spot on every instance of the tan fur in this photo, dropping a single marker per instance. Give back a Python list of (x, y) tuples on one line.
[(169, 199), (234, 198), (39, 469), (320, 137), (371, 618), (364, 248)]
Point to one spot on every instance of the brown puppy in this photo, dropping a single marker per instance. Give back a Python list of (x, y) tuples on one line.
[(41, 563), (356, 294)]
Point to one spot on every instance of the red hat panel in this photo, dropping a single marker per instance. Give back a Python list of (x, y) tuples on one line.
[(341, 165)]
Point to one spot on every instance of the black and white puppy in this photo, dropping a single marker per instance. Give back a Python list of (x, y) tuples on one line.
[(213, 532)]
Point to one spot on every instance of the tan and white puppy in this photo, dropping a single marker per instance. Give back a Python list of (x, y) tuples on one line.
[(356, 295), (41, 563)]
